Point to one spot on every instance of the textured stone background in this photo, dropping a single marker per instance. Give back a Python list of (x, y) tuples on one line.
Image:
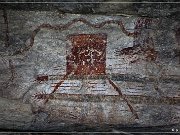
[(152, 87)]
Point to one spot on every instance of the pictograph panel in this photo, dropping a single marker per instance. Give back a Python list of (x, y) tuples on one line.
[(94, 69)]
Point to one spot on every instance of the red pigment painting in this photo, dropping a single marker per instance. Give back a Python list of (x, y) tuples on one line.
[(144, 48), (87, 57), (88, 54)]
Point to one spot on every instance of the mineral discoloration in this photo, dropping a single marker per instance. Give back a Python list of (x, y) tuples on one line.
[(177, 35)]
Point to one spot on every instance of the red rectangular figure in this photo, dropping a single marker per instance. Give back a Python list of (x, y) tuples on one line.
[(88, 54)]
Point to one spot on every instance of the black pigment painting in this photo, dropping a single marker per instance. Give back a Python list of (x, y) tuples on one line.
[(90, 66)]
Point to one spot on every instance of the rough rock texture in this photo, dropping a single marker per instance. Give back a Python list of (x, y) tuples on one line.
[(129, 7), (15, 115), (85, 72)]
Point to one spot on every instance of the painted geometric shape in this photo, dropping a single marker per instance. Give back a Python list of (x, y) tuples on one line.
[(88, 54)]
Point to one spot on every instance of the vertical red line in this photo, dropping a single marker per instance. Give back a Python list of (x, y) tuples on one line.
[(6, 27), (11, 66)]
